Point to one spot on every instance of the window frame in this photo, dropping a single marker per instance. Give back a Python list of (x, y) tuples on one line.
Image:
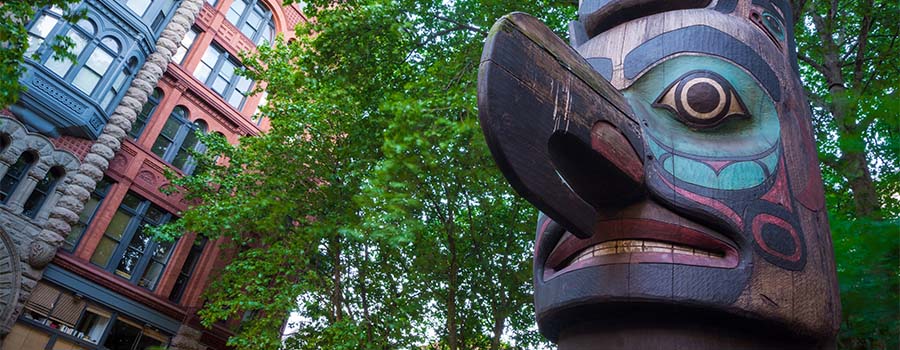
[(177, 292), (176, 143), (184, 50), (151, 99), (55, 332), (21, 176), (155, 15), (231, 88), (43, 55), (99, 193), (268, 16), (136, 222), (45, 191)]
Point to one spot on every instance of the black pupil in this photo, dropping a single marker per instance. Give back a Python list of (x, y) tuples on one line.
[(703, 97)]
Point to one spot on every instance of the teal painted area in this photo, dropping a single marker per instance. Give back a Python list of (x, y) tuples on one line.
[(771, 160), (736, 176), (657, 151), (735, 138)]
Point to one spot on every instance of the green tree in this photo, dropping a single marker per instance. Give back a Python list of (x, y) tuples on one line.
[(14, 39), (850, 64), (373, 203)]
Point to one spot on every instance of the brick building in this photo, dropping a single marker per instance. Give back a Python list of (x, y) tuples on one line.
[(82, 157)]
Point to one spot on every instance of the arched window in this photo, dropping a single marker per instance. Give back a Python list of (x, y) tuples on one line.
[(253, 19), (178, 138), (15, 174), (142, 118), (43, 190)]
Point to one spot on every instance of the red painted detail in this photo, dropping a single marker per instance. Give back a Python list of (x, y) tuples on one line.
[(641, 229), (763, 219), (607, 140), (717, 165), (779, 193), (709, 202)]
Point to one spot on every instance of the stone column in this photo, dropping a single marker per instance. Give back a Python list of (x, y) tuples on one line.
[(187, 339), (77, 190)]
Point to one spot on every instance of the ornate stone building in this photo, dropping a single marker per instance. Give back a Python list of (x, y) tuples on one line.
[(83, 155)]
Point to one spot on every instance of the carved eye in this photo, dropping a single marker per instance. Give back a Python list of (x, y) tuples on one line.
[(702, 100)]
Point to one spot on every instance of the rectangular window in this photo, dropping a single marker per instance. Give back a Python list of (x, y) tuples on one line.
[(39, 31), (185, 45), (61, 65), (55, 318), (127, 250), (187, 270), (218, 70)]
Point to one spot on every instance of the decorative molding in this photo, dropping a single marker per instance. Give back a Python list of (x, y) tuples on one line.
[(63, 98)]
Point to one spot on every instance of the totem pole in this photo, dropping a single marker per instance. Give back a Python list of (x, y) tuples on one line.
[(670, 148)]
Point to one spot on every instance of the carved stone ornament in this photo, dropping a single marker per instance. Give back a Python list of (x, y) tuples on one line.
[(672, 154), (9, 281), (40, 254)]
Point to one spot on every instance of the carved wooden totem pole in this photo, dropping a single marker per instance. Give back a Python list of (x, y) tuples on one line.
[(671, 149)]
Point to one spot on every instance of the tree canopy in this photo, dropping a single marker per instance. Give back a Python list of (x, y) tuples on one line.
[(375, 167)]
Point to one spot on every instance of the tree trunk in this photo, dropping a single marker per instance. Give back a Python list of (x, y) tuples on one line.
[(453, 274), (337, 296), (499, 324), (853, 163)]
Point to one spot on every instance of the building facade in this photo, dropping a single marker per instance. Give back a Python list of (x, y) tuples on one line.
[(83, 155)]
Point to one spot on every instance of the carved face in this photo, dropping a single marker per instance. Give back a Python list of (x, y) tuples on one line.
[(728, 216)]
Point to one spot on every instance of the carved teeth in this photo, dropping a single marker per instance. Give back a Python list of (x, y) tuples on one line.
[(623, 246)]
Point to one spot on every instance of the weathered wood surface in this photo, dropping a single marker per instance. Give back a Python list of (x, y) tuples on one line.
[(672, 153), (538, 116)]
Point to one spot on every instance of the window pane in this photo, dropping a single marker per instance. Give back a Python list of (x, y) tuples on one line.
[(181, 159), (155, 214), (61, 66), (118, 224), (236, 99), (92, 325), (39, 32), (131, 201), (184, 46), (122, 336), (151, 275), (128, 263), (111, 43), (161, 146), (235, 12), (86, 81), (202, 72), (170, 129), (138, 6), (104, 251), (265, 36), (88, 26), (99, 61)]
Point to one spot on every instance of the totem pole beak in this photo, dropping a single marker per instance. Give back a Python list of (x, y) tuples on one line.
[(565, 139)]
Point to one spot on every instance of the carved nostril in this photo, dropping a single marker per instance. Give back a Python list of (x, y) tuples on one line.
[(608, 172)]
